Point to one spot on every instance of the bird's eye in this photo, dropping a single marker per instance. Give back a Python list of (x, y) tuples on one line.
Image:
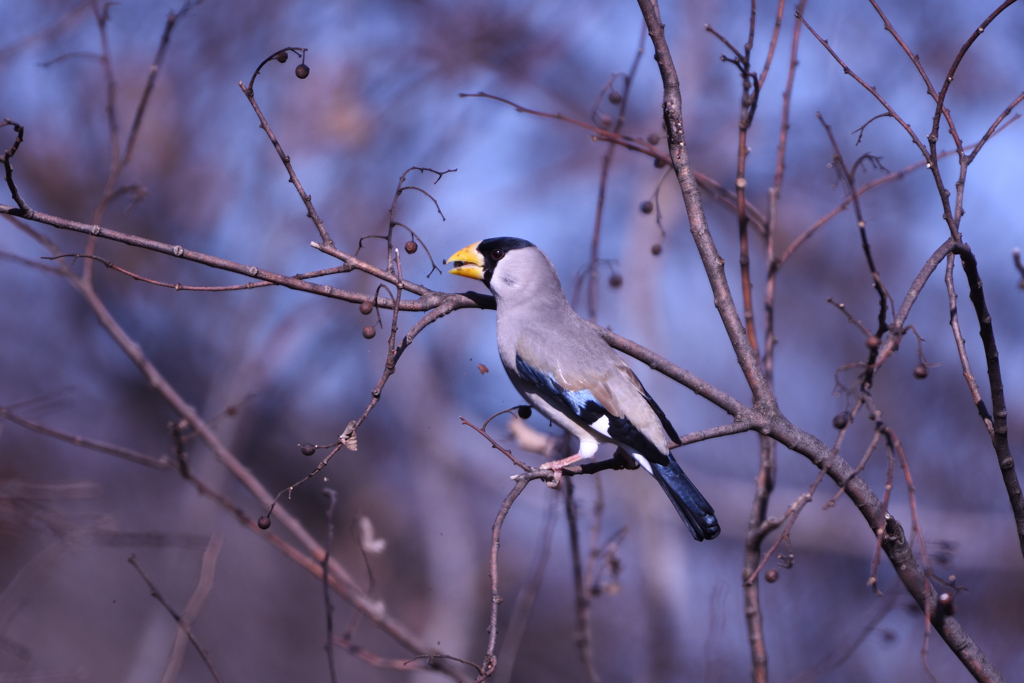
[(497, 254)]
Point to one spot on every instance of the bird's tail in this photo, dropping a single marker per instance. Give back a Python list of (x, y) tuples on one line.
[(688, 501)]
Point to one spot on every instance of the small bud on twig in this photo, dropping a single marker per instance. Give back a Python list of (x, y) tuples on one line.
[(946, 605)]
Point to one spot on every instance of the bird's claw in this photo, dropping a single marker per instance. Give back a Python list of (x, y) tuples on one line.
[(556, 467), (556, 477)]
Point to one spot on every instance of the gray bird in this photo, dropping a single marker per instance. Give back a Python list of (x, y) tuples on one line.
[(563, 367)]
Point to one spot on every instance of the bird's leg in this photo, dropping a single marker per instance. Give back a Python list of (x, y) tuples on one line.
[(628, 461), (556, 468), (587, 450)]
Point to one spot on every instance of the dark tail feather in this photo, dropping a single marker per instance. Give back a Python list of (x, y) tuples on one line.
[(689, 503)]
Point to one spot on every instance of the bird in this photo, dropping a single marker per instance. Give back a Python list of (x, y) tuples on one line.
[(564, 368)]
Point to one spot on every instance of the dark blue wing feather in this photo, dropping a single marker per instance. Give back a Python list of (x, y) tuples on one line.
[(689, 503), (589, 410), (580, 403)]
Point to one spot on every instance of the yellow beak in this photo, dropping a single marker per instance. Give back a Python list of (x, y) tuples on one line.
[(468, 262)]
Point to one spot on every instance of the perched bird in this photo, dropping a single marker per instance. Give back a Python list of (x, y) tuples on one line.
[(565, 369)]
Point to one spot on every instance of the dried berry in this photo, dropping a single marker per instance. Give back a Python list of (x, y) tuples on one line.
[(614, 97), (302, 71), (771, 576), (307, 449), (366, 307), (921, 371), (659, 163), (656, 249), (281, 56), (653, 138), (615, 280), (264, 522), (872, 342), (525, 412), (369, 331), (411, 247), (647, 206), (841, 420)]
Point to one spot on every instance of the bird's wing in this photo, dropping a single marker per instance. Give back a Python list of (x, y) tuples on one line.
[(608, 399), (665, 424), (576, 401)]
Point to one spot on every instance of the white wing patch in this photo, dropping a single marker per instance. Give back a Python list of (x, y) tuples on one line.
[(601, 425), (642, 462)]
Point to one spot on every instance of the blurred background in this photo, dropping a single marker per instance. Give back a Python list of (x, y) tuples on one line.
[(273, 368)]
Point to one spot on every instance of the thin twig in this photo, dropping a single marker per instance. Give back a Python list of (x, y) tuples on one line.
[(842, 652), (1000, 440), (177, 286), (961, 349), (606, 163), (19, 137), (332, 497), (764, 482), (929, 610), (160, 463), (848, 176), (490, 659), (195, 603), (181, 623), (584, 633), (293, 178), (892, 341), (527, 596)]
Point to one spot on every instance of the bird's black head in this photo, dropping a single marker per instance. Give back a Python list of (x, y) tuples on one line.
[(494, 249), (477, 261)]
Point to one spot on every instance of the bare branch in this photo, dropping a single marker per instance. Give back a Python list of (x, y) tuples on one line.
[(281, 56), (161, 463), (195, 603), (182, 625)]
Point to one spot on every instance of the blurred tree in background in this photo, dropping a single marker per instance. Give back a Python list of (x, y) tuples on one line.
[(188, 405)]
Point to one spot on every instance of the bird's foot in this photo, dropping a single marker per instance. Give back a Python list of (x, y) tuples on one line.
[(556, 467)]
